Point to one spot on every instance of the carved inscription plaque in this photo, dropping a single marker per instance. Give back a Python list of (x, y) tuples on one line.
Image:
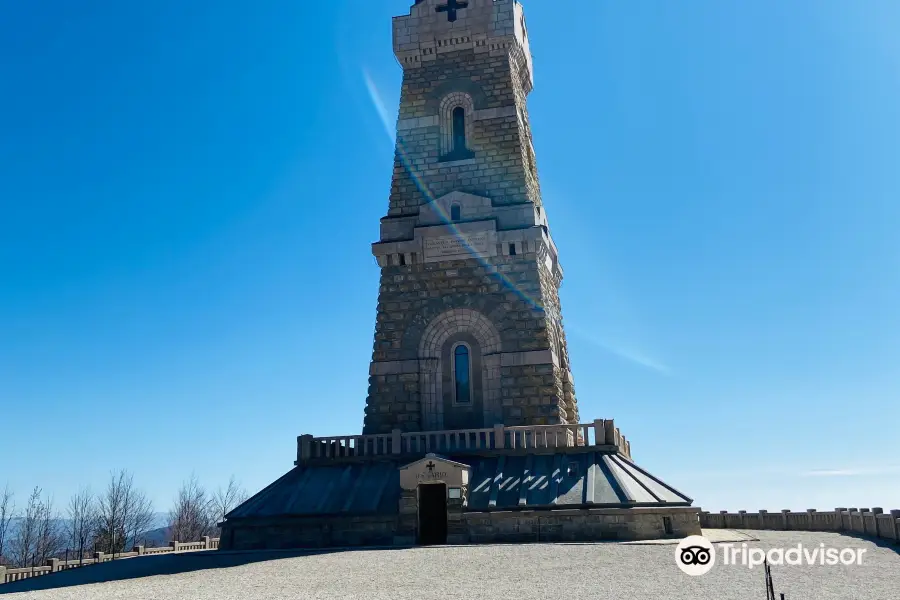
[(461, 245)]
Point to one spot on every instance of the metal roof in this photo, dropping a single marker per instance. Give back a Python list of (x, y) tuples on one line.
[(501, 482)]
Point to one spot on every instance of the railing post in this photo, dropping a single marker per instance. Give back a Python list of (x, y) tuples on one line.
[(599, 432), (98, 557), (839, 511), (174, 545), (206, 542), (304, 447), (609, 435), (395, 441), (53, 563), (2, 575), (499, 436), (139, 550)]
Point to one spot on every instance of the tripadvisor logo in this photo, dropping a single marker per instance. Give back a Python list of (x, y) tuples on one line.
[(696, 555)]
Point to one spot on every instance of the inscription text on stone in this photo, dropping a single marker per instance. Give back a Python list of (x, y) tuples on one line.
[(452, 245)]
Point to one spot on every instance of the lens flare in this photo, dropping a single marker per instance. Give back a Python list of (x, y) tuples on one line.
[(422, 186)]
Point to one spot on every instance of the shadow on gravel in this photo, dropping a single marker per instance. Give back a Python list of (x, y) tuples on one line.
[(880, 542), (149, 566)]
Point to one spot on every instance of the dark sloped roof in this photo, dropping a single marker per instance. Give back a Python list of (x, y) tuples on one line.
[(353, 489), (501, 482)]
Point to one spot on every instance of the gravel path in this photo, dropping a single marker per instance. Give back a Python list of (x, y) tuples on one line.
[(540, 571)]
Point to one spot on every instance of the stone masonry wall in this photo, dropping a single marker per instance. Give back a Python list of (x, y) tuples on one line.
[(517, 293), (550, 283), (412, 295), (309, 532), (875, 522), (564, 525), (498, 169), (580, 525)]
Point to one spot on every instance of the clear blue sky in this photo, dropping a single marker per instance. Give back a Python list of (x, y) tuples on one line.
[(189, 191)]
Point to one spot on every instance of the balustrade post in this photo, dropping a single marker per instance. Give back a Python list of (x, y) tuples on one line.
[(2, 575), (304, 447), (599, 432), (395, 441), (206, 542), (609, 432)]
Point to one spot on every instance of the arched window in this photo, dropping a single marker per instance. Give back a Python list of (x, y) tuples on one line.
[(457, 134), (455, 212), (459, 130), (462, 380)]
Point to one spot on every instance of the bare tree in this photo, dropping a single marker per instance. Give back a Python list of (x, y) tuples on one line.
[(24, 543), (138, 517), (226, 499), (83, 517), (49, 538), (7, 508), (108, 535), (124, 513), (194, 513)]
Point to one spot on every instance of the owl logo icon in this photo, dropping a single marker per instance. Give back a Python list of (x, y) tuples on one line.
[(695, 555)]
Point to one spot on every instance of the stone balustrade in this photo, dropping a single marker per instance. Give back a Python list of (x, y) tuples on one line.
[(498, 438), (55, 565), (873, 522)]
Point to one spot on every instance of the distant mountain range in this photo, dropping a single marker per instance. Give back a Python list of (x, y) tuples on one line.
[(158, 536)]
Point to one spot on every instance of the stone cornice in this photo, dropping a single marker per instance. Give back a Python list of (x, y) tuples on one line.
[(496, 27)]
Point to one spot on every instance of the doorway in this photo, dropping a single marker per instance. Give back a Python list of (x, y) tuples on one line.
[(432, 514)]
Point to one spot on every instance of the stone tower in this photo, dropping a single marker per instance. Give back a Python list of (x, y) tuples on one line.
[(469, 331)]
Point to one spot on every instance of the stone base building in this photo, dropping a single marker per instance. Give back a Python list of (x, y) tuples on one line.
[(520, 484), (471, 429)]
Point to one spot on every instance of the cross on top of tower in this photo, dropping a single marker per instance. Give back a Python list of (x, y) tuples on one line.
[(451, 7)]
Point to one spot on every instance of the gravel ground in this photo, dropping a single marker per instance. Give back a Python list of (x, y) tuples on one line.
[(628, 571)]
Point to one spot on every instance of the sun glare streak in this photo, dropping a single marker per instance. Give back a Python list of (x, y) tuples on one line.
[(378, 103), (639, 358), (380, 108), (420, 184), (853, 472)]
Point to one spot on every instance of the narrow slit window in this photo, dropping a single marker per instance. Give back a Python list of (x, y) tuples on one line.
[(402, 260), (461, 374), (512, 249), (459, 129), (455, 213)]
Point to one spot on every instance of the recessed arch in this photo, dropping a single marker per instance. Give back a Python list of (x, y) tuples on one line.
[(440, 343), (454, 321), (457, 115)]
